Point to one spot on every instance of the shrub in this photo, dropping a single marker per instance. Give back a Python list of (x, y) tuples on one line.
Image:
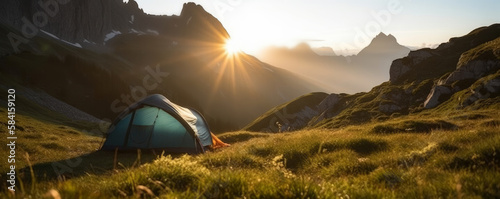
[(365, 146)]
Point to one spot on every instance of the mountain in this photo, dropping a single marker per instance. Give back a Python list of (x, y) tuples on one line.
[(336, 73), (101, 56), (328, 71), (374, 60), (324, 51), (461, 74)]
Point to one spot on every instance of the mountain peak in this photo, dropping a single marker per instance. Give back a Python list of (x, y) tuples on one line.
[(383, 41), (191, 8), (133, 4), (382, 37), (203, 26), (381, 34)]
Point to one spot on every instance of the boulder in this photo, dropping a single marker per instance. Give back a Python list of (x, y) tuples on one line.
[(473, 70), (389, 108), (488, 89), (401, 66), (436, 96)]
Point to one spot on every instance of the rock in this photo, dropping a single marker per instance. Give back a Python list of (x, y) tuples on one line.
[(473, 65), (328, 102), (393, 100), (473, 70), (493, 86), (400, 67), (394, 95), (301, 119), (436, 95), (73, 21), (91, 21), (488, 89), (389, 108)]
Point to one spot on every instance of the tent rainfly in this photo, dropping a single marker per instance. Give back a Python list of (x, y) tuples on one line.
[(157, 123)]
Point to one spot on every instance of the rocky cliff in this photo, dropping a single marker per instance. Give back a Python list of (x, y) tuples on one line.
[(73, 21), (96, 22)]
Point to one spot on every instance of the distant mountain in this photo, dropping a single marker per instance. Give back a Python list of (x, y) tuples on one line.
[(383, 44), (462, 74), (100, 56), (374, 60), (324, 51), (335, 72), (328, 71)]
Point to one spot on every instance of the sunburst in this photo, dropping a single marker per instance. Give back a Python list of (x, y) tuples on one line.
[(232, 47)]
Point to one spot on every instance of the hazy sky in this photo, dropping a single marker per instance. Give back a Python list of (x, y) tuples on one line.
[(342, 25)]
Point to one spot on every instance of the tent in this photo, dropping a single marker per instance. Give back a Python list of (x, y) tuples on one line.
[(157, 123)]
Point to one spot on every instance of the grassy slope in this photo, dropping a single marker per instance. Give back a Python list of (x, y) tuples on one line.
[(45, 135), (427, 155), (487, 51), (441, 152), (294, 106), (45, 141)]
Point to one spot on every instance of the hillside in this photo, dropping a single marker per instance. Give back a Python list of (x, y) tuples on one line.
[(373, 160), (460, 74)]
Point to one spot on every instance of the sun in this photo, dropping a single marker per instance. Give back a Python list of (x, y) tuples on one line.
[(232, 47)]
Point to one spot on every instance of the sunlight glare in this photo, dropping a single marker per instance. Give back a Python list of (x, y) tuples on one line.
[(232, 47)]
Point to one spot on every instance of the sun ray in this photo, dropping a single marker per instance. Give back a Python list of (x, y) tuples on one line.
[(223, 57)]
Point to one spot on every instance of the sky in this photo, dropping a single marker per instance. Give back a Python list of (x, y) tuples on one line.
[(345, 26)]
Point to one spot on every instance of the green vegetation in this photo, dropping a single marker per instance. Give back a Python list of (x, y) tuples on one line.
[(283, 111), (47, 140), (425, 155), (487, 51)]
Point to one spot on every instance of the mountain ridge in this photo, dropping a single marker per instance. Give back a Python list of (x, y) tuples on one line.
[(370, 64), (181, 57), (462, 74)]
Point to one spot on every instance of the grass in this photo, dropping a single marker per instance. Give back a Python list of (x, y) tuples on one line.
[(45, 141), (417, 126), (356, 162), (486, 51), (282, 112)]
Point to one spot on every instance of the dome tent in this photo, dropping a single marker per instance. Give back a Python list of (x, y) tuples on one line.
[(157, 123)]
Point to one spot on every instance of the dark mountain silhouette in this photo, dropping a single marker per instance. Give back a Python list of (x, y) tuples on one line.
[(369, 67), (462, 74), (100, 56)]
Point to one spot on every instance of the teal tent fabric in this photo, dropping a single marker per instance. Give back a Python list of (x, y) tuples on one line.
[(157, 123)]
